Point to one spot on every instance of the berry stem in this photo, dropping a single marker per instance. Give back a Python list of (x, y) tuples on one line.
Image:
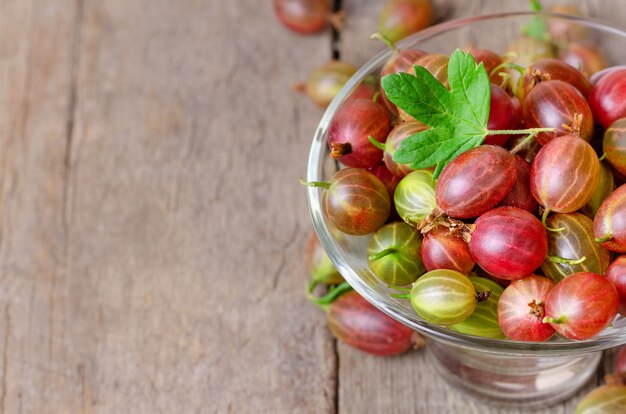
[(543, 221), (602, 157), (528, 131), (320, 184), (400, 288), (562, 260), (385, 40), (508, 65), (377, 144), (556, 321), (382, 253), (523, 143), (605, 238), (400, 295), (376, 96), (324, 302)]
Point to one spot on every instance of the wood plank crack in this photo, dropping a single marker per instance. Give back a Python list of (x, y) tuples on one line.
[(69, 135), (5, 357)]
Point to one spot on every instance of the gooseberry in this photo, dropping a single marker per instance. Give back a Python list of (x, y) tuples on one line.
[(414, 197), (581, 305), (443, 250), (609, 224), (521, 309)]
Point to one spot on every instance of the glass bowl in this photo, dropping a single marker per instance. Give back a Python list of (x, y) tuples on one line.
[(503, 372)]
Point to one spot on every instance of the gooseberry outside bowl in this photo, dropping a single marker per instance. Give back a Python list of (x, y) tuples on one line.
[(503, 372)]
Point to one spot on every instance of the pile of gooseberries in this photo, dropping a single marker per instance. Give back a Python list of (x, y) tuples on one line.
[(518, 238)]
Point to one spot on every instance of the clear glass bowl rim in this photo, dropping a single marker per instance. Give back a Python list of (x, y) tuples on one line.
[(614, 337)]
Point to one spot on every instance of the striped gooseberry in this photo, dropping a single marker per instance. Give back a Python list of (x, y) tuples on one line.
[(318, 264), (609, 223), (414, 197), (476, 181), (608, 98), (616, 273), (564, 174), (398, 134), (556, 104), (303, 16), (509, 243), (443, 250), (484, 320), (355, 201), (445, 297), (606, 185), (325, 81), (394, 254), (614, 145), (350, 129), (401, 60), (581, 305), (520, 195), (356, 322), (551, 69), (492, 63), (522, 307), (607, 399), (585, 56), (386, 177), (572, 249), (502, 115), (400, 18)]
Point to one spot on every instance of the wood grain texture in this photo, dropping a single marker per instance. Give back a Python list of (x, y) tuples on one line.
[(151, 220), (41, 363), (152, 237)]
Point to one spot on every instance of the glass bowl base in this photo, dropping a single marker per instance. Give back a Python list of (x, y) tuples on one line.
[(514, 382)]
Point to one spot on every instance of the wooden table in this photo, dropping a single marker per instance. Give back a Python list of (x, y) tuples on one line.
[(151, 220)]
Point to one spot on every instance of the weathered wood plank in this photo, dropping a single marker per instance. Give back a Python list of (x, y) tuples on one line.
[(187, 221), (408, 383), (40, 368)]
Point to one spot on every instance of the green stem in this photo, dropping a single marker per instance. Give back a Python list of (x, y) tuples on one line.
[(519, 131), (400, 295), (321, 184), (508, 65), (312, 285), (556, 321), (382, 254), (605, 238), (562, 260), (385, 40), (324, 302), (400, 288), (377, 144), (543, 221), (523, 143), (602, 157), (376, 96)]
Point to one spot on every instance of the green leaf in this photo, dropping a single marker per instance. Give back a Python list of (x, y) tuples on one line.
[(537, 27), (458, 117)]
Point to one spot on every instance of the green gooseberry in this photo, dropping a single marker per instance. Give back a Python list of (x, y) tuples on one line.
[(443, 296), (484, 320), (394, 254), (414, 197), (605, 187), (610, 398)]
